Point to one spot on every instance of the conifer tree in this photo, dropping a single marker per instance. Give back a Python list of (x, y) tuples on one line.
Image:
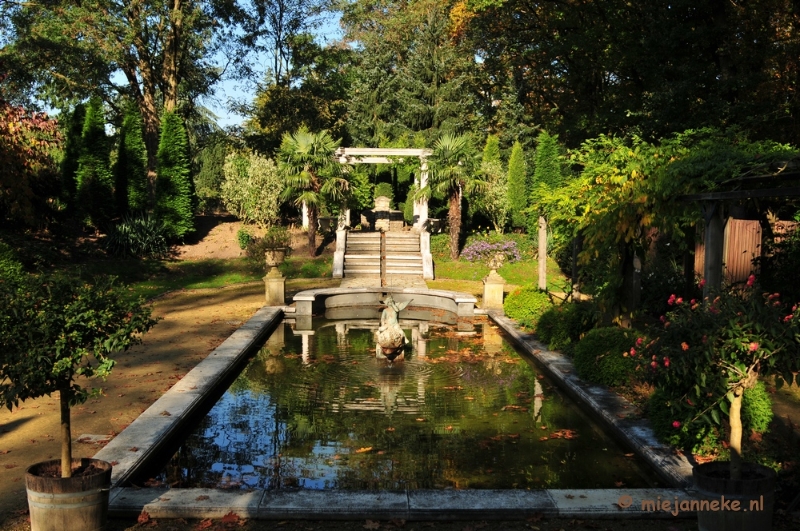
[(93, 176), (174, 188), (72, 152), (517, 186), (130, 169), (494, 201)]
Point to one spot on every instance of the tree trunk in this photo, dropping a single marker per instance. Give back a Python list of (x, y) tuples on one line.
[(736, 434), (312, 230), (172, 57), (66, 435), (454, 219)]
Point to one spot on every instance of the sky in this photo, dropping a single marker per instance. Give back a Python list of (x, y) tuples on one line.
[(244, 92)]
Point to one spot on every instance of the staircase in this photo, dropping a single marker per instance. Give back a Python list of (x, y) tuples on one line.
[(362, 255), (400, 252)]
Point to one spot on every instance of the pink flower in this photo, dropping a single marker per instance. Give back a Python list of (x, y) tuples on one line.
[(689, 401), (693, 301), (751, 280), (633, 351), (666, 362), (702, 282), (679, 300), (753, 346), (654, 364), (639, 341), (663, 318), (676, 424), (684, 346), (671, 299), (788, 318)]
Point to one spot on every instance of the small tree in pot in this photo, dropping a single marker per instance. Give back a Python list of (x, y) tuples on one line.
[(710, 352), (55, 329)]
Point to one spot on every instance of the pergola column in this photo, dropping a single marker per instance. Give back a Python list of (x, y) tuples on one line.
[(421, 205), (714, 239)]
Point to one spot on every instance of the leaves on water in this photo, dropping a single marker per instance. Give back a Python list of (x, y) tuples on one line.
[(364, 450)]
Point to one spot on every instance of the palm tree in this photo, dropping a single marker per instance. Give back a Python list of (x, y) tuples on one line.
[(313, 175), (452, 173)]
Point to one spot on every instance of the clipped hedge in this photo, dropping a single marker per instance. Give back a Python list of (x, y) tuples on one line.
[(756, 408), (561, 327), (526, 305), (603, 356)]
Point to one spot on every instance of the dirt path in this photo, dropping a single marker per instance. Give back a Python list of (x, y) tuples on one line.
[(193, 324)]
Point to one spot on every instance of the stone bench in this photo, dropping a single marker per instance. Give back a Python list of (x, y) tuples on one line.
[(306, 302)]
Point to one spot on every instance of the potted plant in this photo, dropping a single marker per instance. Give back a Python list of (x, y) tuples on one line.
[(276, 245), (707, 355), (55, 331)]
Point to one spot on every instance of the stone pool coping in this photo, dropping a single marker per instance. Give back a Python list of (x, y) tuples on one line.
[(612, 411), (153, 429), (462, 304)]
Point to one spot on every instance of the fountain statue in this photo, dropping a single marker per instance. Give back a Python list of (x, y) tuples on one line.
[(390, 338)]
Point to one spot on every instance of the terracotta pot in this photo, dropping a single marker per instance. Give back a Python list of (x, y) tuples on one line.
[(79, 503)]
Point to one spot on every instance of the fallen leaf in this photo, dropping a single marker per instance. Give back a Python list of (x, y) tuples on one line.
[(133, 449), (230, 518), (545, 438), (204, 524), (144, 517), (568, 496), (372, 524), (619, 483), (363, 450), (389, 429), (11, 466), (4, 452), (202, 497)]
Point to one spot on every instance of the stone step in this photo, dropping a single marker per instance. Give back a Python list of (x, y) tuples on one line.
[(402, 249), (362, 272)]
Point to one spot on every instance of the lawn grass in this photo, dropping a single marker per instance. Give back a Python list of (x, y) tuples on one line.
[(524, 272)]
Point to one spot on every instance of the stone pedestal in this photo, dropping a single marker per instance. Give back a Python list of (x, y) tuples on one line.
[(493, 291), (275, 288)]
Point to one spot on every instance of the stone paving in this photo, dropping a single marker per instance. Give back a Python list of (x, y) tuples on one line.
[(392, 281)]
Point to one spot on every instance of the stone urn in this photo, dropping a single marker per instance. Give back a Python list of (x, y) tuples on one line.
[(275, 257)]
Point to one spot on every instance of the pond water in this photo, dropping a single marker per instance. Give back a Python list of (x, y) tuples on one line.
[(314, 409)]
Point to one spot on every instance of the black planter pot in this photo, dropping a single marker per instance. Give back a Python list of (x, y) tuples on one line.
[(734, 505), (79, 503)]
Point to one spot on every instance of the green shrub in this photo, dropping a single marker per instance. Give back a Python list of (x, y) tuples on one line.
[(756, 408), (139, 235), (561, 327), (174, 186), (385, 190), (243, 237), (440, 247), (695, 437), (10, 267), (527, 305), (603, 356)]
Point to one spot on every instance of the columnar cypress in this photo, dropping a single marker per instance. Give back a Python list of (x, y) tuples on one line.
[(93, 176), (130, 170), (548, 170), (517, 186), (72, 152), (174, 190)]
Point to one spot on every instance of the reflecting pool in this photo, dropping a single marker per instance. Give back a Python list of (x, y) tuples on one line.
[(314, 409)]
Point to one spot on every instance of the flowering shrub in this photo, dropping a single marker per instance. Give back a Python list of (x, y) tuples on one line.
[(483, 251), (709, 352)]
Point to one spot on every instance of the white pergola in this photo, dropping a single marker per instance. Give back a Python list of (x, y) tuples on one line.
[(388, 156)]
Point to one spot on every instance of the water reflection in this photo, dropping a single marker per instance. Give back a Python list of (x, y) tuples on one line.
[(316, 409)]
